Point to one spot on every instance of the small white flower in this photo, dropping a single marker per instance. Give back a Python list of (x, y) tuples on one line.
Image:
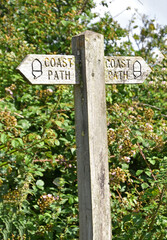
[(50, 90), (126, 159), (44, 196), (149, 127), (49, 195)]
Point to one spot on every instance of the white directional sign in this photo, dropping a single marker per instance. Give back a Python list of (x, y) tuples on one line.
[(60, 69), (125, 70), (48, 69)]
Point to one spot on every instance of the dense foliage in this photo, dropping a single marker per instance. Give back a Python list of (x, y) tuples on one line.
[(38, 197)]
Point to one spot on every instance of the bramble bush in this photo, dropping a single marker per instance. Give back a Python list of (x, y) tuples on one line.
[(38, 180)]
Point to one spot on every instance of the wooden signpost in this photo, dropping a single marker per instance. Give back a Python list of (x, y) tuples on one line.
[(88, 70)]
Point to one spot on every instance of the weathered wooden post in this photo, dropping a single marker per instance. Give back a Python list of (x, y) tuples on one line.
[(91, 138)]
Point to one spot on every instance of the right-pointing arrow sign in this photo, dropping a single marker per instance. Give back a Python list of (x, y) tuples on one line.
[(122, 70)]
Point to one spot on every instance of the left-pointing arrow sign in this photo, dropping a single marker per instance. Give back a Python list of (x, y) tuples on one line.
[(48, 69)]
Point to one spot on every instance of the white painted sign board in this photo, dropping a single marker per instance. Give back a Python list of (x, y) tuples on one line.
[(125, 70), (48, 69), (60, 69)]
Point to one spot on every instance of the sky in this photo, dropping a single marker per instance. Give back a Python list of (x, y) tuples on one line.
[(155, 9)]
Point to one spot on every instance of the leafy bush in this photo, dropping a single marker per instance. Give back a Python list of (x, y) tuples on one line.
[(38, 180)]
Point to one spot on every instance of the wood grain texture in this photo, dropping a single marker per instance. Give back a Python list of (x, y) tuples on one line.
[(91, 138)]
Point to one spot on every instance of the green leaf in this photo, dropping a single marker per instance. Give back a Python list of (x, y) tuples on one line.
[(40, 184), (20, 141), (71, 200), (30, 225), (41, 217), (145, 143), (147, 172), (136, 37), (140, 139), (48, 125), (138, 133), (59, 182), (139, 172), (38, 173), (152, 161), (4, 138), (48, 215), (58, 123), (27, 159), (57, 143), (64, 140), (134, 140), (25, 124), (125, 166), (65, 23), (15, 143), (36, 207), (73, 150), (144, 185)]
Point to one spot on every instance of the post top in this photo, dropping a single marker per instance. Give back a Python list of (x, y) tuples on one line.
[(88, 33)]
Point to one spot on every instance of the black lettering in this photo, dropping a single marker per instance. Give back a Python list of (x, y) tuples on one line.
[(120, 74), (112, 63), (52, 62), (56, 76), (59, 62), (119, 63), (107, 62), (64, 63), (110, 74), (50, 73), (67, 75), (125, 74), (70, 61), (123, 63), (62, 74), (115, 75), (46, 62), (128, 60)]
